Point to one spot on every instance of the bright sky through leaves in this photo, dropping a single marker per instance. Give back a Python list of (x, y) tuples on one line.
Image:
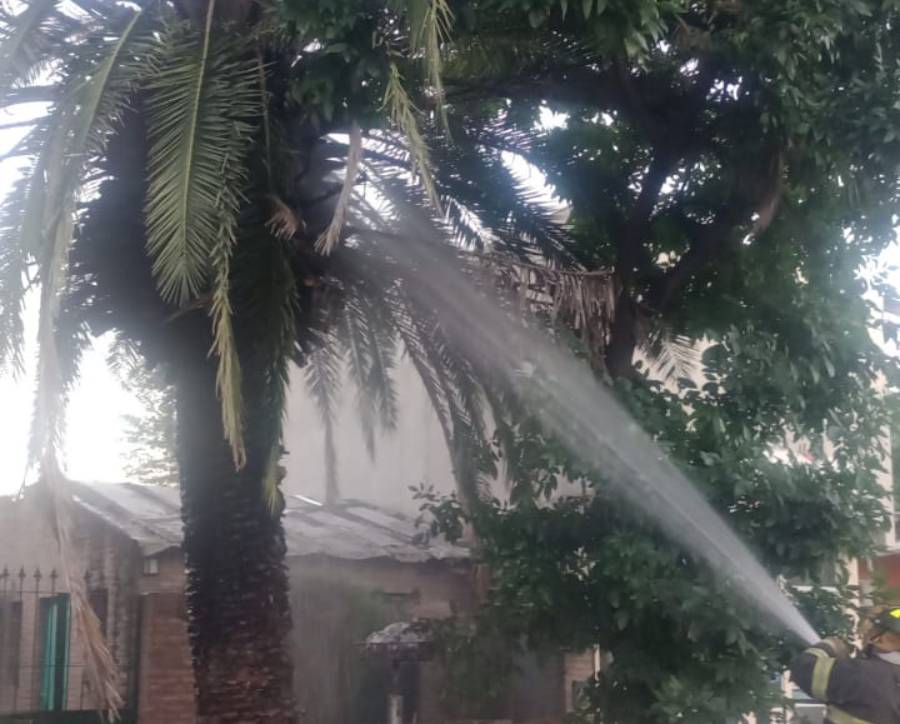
[(94, 446)]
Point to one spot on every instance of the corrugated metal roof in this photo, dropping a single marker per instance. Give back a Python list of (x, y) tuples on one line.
[(352, 530)]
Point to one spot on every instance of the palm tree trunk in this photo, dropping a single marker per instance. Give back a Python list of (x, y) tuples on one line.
[(239, 616)]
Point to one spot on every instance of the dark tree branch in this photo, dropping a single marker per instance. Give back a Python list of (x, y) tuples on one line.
[(755, 211), (623, 332), (707, 242), (569, 85), (653, 128), (631, 240)]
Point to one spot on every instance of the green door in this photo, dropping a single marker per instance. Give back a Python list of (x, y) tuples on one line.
[(54, 670)]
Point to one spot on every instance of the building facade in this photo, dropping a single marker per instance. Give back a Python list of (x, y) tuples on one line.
[(353, 567)]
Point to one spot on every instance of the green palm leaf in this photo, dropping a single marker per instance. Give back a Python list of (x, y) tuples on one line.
[(13, 271), (200, 101), (323, 381), (94, 96), (21, 47), (353, 335), (403, 113), (430, 24), (383, 350)]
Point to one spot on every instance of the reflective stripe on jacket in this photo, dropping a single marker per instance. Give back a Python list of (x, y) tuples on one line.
[(857, 691)]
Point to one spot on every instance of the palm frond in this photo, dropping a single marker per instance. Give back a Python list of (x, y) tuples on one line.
[(383, 349), (670, 356), (458, 412), (228, 371), (198, 104), (403, 114), (21, 47), (94, 97), (431, 21), (329, 238), (509, 211), (264, 108), (323, 381), (465, 427), (355, 340), (13, 274), (100, 666), (47, 423), (283, 223)]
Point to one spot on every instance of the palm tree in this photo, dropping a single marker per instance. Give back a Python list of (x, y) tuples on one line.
[(183, 190)]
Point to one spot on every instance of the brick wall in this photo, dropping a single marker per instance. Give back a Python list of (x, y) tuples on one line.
[(109, 562), (166, 682), (887, 567)]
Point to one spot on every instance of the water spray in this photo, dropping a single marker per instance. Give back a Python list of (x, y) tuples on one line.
[(574, 406)]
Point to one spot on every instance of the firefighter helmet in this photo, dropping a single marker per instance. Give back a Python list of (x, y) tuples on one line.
[(887, 620)]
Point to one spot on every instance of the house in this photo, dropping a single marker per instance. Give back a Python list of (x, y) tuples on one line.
[(354, 568)]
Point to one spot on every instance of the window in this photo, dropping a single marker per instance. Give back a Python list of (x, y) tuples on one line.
[(579, 694), (54, 670), (829, 574), (10, 642)]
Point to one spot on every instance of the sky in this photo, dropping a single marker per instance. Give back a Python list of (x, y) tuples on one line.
[(94, 445)]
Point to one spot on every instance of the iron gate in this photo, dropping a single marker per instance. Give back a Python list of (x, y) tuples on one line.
[(42, 671)]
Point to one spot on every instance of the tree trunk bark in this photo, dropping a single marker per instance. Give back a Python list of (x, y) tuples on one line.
[(622, 342), (238, 605)]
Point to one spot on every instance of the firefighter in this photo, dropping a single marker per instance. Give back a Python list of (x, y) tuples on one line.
[(857, 690)]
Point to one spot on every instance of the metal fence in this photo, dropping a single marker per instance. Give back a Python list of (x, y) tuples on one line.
[(42, 669)]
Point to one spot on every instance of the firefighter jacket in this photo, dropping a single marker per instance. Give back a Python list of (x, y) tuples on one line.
[(862, 690)]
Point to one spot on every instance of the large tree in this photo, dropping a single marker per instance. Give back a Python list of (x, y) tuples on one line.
[(732, 172)]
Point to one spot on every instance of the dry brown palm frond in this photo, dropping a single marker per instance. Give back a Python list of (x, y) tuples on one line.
[(581, 301), (329, 239), (100, 667), (584, 303), (283, 223)]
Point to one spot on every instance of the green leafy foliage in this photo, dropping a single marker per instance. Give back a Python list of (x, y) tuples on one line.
[(704, 162)]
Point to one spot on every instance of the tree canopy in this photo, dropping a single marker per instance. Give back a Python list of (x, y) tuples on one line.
[(734, 167)]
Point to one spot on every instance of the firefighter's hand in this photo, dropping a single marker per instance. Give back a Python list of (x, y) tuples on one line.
[(838, 648)]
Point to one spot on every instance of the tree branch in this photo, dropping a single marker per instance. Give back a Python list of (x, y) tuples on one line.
[(707, 241), (570, 85)]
